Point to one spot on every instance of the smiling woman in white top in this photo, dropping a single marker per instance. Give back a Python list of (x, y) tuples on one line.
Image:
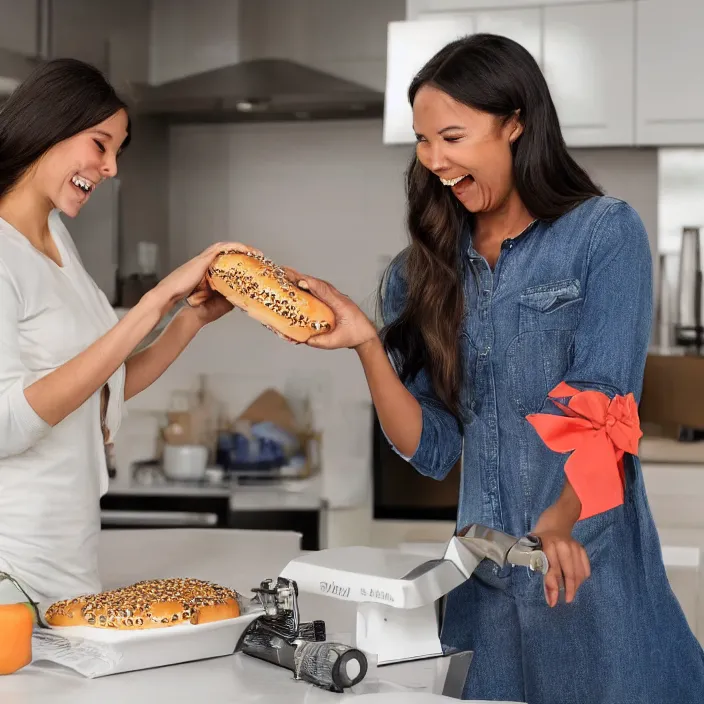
[(66, 363)]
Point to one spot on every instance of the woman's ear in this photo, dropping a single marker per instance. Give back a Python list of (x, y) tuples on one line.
[(515, 127)]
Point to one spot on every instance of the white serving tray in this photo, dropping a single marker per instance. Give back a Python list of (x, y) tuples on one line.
[(96, 652)]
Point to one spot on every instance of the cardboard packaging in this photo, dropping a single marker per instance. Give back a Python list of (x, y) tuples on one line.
[(673, 394)]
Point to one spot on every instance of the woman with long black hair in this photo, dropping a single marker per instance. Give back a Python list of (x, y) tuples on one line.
[(66, 362), (516, 327)]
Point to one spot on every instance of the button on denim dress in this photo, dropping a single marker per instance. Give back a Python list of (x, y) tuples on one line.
[(567, 301)]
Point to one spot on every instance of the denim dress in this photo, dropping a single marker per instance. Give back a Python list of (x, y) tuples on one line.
[(567, 301)]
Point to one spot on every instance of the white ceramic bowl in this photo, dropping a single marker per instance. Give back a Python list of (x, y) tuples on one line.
[(185, 462)]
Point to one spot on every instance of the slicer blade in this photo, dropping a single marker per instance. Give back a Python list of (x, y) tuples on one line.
[(464, 555)]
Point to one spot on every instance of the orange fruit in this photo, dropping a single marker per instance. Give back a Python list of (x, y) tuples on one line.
[(16, 623)]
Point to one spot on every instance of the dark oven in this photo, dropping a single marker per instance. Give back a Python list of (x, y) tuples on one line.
[(155, 511), (402, 493), (152, 509)]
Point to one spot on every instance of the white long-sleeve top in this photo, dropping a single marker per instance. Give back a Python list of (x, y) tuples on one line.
[(51, 478)]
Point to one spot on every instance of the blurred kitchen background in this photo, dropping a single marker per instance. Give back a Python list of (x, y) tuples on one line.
[(284, 124)]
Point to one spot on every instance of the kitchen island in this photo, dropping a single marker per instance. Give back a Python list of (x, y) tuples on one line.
[(235, 678), (240, 559), (232, 679)]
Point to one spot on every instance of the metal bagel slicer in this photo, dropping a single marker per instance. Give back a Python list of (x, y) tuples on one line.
[(399, 597)]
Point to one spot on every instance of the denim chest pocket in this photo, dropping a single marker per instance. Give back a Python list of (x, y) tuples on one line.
[(538, 357)]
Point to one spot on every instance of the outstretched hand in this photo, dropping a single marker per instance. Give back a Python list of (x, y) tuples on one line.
[(352, 327), (207, 305)]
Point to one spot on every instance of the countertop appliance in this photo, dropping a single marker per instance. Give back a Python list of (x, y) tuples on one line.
[(399, 596)]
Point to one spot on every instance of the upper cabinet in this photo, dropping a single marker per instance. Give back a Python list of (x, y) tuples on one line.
[(18, 26), (416, 8), (589, 66), (523, 26), (410, 46), (114, 36), (670, 98), (586, 52)]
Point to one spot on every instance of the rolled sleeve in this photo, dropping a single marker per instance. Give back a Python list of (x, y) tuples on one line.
[(612, 337), (440, 444), (611, 340), (20, 426)]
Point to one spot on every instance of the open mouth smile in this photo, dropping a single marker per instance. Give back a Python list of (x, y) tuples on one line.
[(83, 184)]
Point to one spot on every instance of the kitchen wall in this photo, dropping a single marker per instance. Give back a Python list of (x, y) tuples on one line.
[(144, 197), (323, 197), (326, 198), (630, 174), (185, 39)]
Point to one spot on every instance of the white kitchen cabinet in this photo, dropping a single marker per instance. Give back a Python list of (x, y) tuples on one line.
[(411, 44), (675, 495), (670, 99), (588, 62), (523, 26), (416, 8), (18, 26)]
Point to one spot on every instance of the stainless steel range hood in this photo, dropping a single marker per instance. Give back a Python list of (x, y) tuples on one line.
[(273, 77), (259, 90), (270, 81)]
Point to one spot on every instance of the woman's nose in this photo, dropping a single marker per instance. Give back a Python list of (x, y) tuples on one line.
[(438, 159), (109, 167)]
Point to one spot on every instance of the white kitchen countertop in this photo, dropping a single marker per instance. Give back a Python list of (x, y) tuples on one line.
[(236, 679), (292, 494), (231, 679), (169, 489), (240, 559), (665, 450)]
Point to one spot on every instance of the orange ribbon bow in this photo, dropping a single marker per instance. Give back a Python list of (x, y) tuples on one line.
[(598, 431)]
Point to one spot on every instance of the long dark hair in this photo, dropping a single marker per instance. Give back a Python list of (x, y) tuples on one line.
[(496, 75), (59, 99)]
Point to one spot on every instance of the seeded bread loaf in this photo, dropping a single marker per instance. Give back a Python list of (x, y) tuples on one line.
[(256, 285), (153, 604)]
